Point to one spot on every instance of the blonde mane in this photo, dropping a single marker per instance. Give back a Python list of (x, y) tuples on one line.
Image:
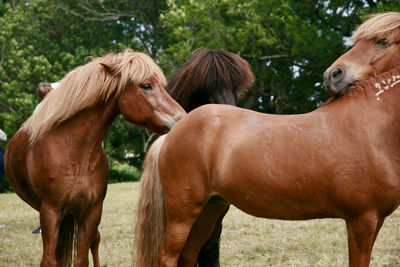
[(378, 26), (88, 85)]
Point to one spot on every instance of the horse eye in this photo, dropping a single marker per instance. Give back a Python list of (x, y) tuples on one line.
[(381, 42), (146, 87)]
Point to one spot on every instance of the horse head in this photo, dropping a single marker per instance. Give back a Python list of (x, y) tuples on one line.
[(128, 83), (149, 105), (142, 98), (376, 50)]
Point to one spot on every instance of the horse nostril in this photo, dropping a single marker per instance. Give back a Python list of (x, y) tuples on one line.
[(336, 75)]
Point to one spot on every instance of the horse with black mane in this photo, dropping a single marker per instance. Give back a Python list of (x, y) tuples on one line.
[(343, 160), (208, 76)]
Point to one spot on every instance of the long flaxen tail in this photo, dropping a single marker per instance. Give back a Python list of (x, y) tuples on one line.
[(150, 225), (66, 245)]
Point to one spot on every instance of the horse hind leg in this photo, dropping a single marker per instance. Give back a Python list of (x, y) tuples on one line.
[(362, 232), (207, 224), (94, 248), (181, 215), (209, 253)]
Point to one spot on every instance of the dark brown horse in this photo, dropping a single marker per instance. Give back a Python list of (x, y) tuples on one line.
[(343, 162), (56, 162), (208, 76)]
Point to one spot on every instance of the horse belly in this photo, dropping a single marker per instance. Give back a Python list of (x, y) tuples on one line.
[(269, 198), (277, 177), (304, 188)]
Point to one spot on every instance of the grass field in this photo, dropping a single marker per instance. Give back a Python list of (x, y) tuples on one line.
[(246, 241)]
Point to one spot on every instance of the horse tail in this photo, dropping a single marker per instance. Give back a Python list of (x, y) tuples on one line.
[(150, 225), (66, 244)]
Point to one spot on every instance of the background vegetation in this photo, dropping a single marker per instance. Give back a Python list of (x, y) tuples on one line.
[(289, 44)]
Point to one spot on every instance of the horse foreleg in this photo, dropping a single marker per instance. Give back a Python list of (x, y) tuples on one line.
[(87, 231), (362, 232), (209, 223), (50, 223), (209, 253), (94, 248)]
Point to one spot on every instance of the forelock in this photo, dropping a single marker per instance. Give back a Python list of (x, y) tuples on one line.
[(383, 25)]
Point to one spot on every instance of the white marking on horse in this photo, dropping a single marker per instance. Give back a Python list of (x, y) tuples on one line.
[(396, 82), (389, 83), (271, 174)]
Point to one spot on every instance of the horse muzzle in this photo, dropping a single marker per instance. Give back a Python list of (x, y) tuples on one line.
[(337, 82), (168, 122)]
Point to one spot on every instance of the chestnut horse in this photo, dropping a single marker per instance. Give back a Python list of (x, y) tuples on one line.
[(376, 50), (56, 162), (343, 163), (208, 76)]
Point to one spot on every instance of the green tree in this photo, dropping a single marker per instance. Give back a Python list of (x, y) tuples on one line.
[(289, 43), (42, 41), (37, 44)]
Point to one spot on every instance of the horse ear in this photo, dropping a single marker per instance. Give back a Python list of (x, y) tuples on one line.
[(110, 68)]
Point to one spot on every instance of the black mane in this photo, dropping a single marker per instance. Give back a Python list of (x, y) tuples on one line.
[(210, 76)]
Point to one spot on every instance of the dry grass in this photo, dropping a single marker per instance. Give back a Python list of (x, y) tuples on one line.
[(246, 241)]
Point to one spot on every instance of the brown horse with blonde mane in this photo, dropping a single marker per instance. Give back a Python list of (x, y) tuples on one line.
[(208, 76), (376, 50), (56, 162), (343, 161)]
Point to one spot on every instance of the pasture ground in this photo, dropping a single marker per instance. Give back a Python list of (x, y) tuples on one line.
[(246, 241)]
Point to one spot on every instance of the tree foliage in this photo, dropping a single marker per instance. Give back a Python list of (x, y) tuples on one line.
[(289, 44)]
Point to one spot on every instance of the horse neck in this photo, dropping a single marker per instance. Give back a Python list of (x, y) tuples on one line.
[(90, 126), (378, 96)]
